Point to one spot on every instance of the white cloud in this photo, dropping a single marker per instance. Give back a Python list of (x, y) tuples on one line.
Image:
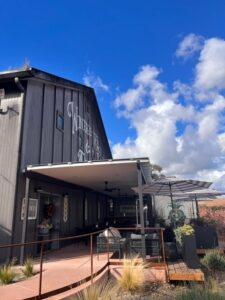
[(94, 81), (191, 44), (178, 135), (219, 184), (210, 70), (134, 97)]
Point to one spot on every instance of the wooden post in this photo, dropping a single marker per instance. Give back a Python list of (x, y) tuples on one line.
[(91, 245), (141, 209), (24, 225), (163, 246)]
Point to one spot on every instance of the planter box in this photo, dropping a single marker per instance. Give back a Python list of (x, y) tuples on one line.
[(43, 231), (189, 252), (206, 237)]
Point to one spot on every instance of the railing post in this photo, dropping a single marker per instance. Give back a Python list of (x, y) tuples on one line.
[(41, 266), (91, 245), (108, 252)]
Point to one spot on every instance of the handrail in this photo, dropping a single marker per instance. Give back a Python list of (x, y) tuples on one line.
[(51, 240), (75, 237)]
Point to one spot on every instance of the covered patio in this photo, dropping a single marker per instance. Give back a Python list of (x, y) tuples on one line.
[(112, 180)]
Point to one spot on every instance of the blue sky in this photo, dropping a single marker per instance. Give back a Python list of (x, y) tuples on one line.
[(108, 43)]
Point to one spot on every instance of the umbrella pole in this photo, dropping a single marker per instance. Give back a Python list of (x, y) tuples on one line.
[(193, 210), (172, 206), (196, 203)]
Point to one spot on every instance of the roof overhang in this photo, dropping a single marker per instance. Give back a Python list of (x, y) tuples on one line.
[(121, 174)]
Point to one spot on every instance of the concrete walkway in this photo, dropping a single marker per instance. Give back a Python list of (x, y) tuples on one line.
[(61, 268)]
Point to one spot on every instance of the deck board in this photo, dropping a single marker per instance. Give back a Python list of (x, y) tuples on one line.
[(178, 271), (204, 251)]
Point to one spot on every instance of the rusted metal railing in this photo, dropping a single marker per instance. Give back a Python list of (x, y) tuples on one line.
[(90, 236)]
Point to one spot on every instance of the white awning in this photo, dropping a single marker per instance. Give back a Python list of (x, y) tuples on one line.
[(120, 175)]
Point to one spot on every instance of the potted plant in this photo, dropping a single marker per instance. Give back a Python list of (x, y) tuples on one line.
[(45, 227), (186, 242)]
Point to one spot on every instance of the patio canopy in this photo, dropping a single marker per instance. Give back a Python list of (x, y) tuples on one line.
[(120, 174)]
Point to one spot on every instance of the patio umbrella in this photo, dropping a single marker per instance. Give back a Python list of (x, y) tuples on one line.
[(171, 185), (190, 199), (195, 194)]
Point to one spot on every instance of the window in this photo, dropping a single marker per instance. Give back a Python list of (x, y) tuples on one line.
[(81, 141), (59, 121), (86, 210), (32, 209)]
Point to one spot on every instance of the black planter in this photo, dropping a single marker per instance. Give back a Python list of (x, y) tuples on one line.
[(206, 237), (189, 253)]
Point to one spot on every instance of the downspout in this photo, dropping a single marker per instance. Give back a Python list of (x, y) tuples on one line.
[(22, 90), (18, 84)]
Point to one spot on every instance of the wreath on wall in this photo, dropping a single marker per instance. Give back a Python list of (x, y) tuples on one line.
[(49, 210)]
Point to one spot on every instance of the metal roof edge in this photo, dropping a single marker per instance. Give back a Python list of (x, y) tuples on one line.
[(102, 162)]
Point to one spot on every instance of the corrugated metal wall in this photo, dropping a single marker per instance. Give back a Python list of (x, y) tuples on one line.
[(82, 137), (10, 126)]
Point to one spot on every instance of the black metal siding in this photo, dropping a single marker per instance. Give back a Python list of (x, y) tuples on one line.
[(44, 143)]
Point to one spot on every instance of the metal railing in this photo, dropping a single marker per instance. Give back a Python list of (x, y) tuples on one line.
[(88, 236)]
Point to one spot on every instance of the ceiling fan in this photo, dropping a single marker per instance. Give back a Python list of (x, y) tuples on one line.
[(107, 189)]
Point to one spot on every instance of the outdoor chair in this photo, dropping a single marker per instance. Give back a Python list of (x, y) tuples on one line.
[(152, 245), (111, 244)]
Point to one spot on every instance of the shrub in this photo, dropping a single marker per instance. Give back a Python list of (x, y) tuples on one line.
[(213, 261), (7, 274), (131, 275), (198, 292), (96, 291), (181, 231), (28, 270)]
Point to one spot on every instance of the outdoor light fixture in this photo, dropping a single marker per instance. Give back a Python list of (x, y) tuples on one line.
[(146, 214), (65, 207), (2, 95), (38, 189)]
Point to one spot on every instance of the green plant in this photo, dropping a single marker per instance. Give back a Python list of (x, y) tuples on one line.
[(96, 291), (7, 273), (213, 261), (181, 231), (131, 275), (196, 292), (28, 270)]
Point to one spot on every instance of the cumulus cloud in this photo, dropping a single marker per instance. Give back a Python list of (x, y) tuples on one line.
[(191, 44), (134, 97), (185, 138), (210, 70), (94, 81)]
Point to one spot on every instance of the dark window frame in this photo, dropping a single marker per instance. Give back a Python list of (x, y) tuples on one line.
[(61, 116)]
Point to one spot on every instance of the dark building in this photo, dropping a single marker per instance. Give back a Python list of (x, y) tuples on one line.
[(47, 120)]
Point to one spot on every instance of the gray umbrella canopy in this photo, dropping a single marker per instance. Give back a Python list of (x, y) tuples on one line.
[(200, 193), (172, 185), (196, 194)]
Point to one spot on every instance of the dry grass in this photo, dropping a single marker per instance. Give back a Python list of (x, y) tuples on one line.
[(7, 274), (132, 275), (97, 291), (28, 270)]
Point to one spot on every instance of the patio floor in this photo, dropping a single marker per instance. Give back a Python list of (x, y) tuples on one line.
[(61, 268), (178, 271), (65, 269)]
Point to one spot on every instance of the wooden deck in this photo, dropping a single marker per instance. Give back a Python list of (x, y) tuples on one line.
[(204, 251), (178, 271)]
